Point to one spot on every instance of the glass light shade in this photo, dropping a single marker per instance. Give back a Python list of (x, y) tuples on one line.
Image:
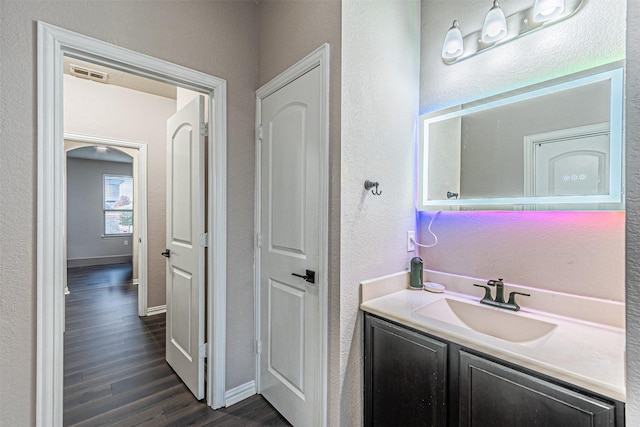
[(495, 25), (544, 10), (452, 46)]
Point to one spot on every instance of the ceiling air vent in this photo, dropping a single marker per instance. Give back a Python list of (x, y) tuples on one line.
[(87, 73)]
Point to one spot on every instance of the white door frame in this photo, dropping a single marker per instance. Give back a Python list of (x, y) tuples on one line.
[(318, 58), (140, 202), (53, 43)]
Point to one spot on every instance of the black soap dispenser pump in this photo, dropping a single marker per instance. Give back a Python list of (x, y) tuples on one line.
[(415, 279)]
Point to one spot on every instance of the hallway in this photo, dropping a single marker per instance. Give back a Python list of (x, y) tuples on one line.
[(115, 372)]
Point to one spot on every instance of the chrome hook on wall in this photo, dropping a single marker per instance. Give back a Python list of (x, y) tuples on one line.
[(368, 185)]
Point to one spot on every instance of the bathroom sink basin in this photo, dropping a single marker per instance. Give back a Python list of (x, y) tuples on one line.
[(487, 320)]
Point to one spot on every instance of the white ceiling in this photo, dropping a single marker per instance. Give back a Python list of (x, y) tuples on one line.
[(120, 78), (94, 153)]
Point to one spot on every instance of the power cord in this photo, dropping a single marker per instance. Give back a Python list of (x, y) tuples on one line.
[(431, 232)]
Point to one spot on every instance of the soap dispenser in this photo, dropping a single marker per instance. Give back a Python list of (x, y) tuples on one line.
[(415, 279)]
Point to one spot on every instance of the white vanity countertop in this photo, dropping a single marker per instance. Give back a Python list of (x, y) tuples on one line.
[(586, 354)]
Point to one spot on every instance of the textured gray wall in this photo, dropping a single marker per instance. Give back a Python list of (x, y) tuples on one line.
[(85, 181), (216, 37), (380, 86), (289, 30), (633, 212)]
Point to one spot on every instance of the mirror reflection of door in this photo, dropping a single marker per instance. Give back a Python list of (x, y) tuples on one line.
[(569, 162)]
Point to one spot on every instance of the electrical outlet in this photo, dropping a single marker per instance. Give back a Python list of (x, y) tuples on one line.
[(411, 241), (126, 242)]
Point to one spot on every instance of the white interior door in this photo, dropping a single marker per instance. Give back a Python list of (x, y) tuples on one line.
[(185, 245), (290, 204)]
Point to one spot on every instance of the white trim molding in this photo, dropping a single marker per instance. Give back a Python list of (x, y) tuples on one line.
[(53, 44), (159, 309), (317, 58), (240, 393)]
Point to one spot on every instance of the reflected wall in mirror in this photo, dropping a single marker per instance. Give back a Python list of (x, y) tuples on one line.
[(551, 146)]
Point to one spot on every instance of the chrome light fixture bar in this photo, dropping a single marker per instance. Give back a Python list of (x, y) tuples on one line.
[(498, 29)]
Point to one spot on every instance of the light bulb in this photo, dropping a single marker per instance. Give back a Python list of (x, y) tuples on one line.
[(452, 46), (495, 25), (544, 10)]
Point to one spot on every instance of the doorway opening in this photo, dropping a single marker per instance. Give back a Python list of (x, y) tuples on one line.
[(105, 151), (53, 44)]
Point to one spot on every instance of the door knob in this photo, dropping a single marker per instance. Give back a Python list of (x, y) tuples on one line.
[(309, 277), (166, 253)]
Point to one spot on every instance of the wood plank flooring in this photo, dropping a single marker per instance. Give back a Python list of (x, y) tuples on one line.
[(115, 373)]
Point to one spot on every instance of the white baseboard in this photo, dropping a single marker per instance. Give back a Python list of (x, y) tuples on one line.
[(239, 393), (156, 310)]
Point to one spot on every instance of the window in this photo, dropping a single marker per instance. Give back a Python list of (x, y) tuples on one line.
[(118, 205)]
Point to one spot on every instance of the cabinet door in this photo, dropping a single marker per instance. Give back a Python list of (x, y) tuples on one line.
[(405, 377), (492, 395)]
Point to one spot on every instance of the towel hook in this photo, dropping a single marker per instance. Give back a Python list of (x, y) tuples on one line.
[(368, 185)]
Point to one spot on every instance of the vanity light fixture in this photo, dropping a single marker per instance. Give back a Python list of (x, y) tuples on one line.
[(453, 46), (495, 24), (499, 29), (545, 10)]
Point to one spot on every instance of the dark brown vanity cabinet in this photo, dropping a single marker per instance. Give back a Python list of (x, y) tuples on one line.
[(494, 395), (412, 379), (405, 377)]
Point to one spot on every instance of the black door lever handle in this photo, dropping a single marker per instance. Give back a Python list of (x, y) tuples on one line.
[(309, 277), (166, 253)]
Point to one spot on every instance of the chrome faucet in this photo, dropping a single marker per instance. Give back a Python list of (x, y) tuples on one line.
[(499, 299)]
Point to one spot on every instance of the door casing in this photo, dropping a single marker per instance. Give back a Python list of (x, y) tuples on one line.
[(318, 58), (53, 43)]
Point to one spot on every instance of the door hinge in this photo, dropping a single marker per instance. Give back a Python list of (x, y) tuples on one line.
[(204, 129), (259, 240), (204, 240), (203, 350), (260, 133), (259, 347)]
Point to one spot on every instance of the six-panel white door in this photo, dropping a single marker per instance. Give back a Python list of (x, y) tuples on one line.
[(185, 262), (290, 331)]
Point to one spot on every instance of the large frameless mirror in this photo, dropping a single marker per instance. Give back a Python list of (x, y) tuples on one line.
[(555, 145)]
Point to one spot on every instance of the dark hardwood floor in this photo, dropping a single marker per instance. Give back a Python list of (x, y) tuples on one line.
[(115, 373)]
